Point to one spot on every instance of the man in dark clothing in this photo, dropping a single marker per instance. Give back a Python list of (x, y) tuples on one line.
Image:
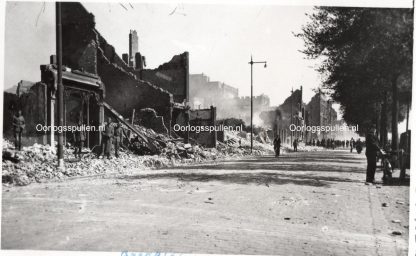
[(118, 137), (372, 147), (352, 143), (79, 138), (107, 140), (295, 145), (276, 144), (18, 127)]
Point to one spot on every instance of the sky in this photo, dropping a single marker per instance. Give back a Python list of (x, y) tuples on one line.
[(219, 38)]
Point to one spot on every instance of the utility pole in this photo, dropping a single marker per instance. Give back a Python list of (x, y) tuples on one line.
[(251, 103), (60, 85)]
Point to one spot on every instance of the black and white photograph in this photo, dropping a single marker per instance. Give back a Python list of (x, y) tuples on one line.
[(207, 127)]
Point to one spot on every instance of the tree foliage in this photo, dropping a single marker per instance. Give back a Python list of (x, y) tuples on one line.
[(364, 51)]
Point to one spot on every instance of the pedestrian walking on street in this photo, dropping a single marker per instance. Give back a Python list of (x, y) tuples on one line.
[(18, 127), (372, 148), (276, 144), (295, 145), (352, 142), (79, 138), (118, 138), (359, 146), (107, 140)]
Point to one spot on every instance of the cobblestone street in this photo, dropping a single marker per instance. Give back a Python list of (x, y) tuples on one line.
[(311, 203)]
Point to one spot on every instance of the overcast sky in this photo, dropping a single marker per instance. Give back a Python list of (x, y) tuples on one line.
[(219, 38)]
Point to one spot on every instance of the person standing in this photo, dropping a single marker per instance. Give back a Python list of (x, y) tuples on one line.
[(277, 144), (372, 147), (118, 137), (295, 145), (18, 127), (80, 137), (352, 142), (107, 140)]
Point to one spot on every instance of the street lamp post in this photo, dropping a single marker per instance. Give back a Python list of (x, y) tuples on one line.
[(251, 116)]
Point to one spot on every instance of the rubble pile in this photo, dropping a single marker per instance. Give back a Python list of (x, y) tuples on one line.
[(37, 163), (31, 164)]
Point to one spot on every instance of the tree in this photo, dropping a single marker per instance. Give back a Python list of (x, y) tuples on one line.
[(366, 63)]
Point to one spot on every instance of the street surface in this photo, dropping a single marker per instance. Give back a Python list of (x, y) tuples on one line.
[(312, 203)]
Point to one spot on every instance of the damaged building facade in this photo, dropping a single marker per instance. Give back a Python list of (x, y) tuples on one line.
[(318, 112), (99, 84), (321, 113)]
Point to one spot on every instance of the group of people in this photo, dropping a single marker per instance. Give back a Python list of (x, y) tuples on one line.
[(371, 143), (112, 134), (332, 143), (277, 142)]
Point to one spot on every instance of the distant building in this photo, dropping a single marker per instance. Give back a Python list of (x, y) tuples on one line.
[(320, 113), (243, 108), (294, 112), (204, 93)]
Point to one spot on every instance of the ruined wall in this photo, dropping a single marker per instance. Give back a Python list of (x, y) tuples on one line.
[(125, 93), (78, 39), (10, 106), (172, 76), (85, 49)]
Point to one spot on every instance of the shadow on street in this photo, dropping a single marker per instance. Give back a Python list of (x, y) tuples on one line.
[(289, 168)]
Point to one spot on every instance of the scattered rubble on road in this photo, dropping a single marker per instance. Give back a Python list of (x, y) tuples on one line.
[(37, 163)]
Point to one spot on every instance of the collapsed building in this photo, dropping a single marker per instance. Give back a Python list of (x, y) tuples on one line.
[(99, 84)]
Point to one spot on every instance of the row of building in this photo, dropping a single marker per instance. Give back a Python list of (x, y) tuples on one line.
[(99, 84), (318, 112)]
